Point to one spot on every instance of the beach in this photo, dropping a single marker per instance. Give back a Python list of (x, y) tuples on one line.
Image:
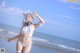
[(42, 43)]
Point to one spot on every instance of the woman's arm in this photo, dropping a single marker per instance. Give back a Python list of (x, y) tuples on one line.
[(13, 38), (40, 18), (17, 36)]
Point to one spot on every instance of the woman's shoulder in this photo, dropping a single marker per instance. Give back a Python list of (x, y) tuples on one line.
[(33, 25)]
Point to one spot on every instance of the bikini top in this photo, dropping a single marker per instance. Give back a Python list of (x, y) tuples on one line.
[(27, 29)]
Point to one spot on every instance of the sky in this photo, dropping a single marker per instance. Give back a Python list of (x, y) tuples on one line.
[(62, 17)]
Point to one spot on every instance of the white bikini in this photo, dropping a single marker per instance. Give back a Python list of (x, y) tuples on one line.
[(26, 29)]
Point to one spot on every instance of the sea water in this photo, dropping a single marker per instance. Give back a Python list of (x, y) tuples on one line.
[(42, 43)]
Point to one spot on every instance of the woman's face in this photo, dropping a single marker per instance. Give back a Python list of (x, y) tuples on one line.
[(29, 18)]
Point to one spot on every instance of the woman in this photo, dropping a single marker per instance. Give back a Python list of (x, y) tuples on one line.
[(24, 41)]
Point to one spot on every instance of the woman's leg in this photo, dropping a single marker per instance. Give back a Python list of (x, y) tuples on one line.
[(18, 47), (27, 49)]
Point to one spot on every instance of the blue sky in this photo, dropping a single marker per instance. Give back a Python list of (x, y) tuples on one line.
[(62, 18)]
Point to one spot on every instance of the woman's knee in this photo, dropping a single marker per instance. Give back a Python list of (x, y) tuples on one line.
[(18, 47), (18, 51)]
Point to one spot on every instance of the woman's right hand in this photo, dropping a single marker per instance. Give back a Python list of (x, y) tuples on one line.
[(9, 39), (35, 13)]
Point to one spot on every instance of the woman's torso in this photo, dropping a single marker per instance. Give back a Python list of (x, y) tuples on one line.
[(26, 34)]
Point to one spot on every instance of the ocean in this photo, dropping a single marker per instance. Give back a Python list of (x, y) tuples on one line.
[(42, 43)]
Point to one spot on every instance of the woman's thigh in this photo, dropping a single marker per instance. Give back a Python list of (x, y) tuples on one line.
[(18, 47), (27, 49)]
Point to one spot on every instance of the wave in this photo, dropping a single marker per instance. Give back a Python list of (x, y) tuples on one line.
[(65, 46), (39, 39), (48, 42), (55, 44), (2, 30), (9, 32)]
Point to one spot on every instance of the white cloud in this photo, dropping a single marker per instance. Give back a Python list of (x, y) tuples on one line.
[(70, 1), (74, 7), (73, 4), (62, 0), (59, 23), (12, 10), (66, 16), (3, 4)]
